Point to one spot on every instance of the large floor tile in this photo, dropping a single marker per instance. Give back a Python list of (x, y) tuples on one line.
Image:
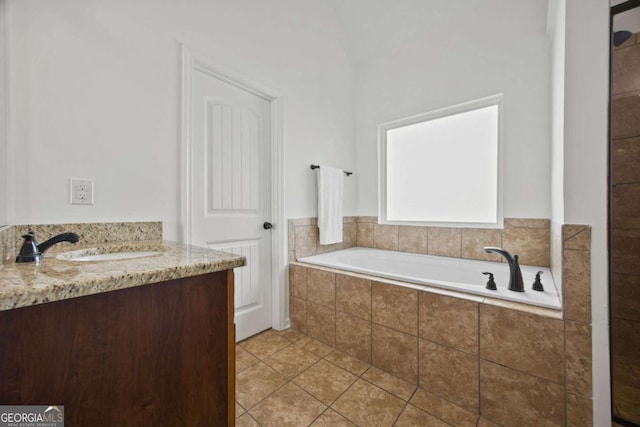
[(289, 406), (325, 381), (331, 418), (388, 382), (264, 344), (256, 383), (368, 405), (412, 416), (291, 360)]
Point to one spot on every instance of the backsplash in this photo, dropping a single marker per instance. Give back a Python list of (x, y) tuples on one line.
[(529, 238), (99, 232), (7, 244)]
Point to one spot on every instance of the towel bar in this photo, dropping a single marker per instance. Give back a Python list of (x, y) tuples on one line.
[(318, 167)]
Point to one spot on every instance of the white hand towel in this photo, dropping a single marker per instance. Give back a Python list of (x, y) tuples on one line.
[(330, 204)]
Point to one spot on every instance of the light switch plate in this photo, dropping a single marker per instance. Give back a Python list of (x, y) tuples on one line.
[(81, 191)]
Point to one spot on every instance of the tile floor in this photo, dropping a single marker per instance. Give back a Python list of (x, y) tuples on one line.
[(626, 388), (284, 378)]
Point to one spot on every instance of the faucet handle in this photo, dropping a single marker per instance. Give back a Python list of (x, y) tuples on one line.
[(491, 284), (29, 250), (537, 284)]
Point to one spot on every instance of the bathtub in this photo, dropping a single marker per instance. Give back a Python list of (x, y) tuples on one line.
[(455, 274)]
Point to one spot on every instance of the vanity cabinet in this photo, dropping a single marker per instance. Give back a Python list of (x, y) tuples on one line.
[(161, 354)]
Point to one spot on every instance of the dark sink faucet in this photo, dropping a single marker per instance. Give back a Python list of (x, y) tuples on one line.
[(515, 279), (31, 251)]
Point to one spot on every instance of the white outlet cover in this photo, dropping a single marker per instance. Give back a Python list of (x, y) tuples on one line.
[(80, 191)]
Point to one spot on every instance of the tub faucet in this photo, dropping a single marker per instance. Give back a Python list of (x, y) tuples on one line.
[(515, 278), (31, 251)]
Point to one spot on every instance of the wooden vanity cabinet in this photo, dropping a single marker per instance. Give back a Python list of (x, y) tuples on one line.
[(161, 354)]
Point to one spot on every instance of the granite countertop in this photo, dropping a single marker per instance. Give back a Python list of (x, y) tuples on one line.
[(56, 279)]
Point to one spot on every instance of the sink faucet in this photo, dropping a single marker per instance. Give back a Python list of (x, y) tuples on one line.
[(31, 251), (515, 278)]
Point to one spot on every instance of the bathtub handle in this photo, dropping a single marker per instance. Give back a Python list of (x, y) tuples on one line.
[(491, 284)]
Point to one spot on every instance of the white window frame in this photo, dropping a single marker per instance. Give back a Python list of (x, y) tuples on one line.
[(443, 112)]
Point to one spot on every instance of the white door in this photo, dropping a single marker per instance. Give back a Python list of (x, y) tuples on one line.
[(230, 200)]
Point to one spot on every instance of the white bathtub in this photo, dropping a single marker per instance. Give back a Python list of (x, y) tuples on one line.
[(442, 272)]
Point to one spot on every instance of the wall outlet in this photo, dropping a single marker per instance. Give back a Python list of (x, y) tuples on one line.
[(81, 191)]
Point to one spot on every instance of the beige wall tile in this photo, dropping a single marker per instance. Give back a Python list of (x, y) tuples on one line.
[(306, 240), (626, 251), (371, 219), (526, 223), (579, 411), (474, 239), (625, 158), (298, 281), (412, 239), (624, 66), (513, 398), (291, 235), (625, 339), (395, 352), (322, 249), (321, 323), (385, 236), (578, 358), (532, 245), (577, 237), (321, 287), (576, 278), (353, 296), (625, 296), (298, 314), (449, 321), (303, 221), (449, 373), (353, 336), (291, 256), (364, 234), (523, 341), (444, 241), (626, 206), (395, 307), (349, 234), (443, 409), (624, 117)]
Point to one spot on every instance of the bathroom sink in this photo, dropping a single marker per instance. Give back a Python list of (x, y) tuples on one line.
[(91, 255)]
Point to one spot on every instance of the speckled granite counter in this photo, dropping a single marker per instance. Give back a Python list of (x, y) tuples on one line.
[(56, 279)]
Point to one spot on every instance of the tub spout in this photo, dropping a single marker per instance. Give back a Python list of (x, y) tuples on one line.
[(516, 283)]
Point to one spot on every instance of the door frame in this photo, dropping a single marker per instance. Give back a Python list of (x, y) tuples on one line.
[(192, 61)]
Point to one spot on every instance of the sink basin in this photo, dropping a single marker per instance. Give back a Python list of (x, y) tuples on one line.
[(85, 256)]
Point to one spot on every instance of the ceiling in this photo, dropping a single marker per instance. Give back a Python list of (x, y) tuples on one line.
[(373, 26)]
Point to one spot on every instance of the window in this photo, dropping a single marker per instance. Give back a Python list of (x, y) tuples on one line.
[(443, 167)]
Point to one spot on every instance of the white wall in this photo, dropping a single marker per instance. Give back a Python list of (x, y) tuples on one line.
[(95, 94), (4, 175), (585, 166), (490, 52)]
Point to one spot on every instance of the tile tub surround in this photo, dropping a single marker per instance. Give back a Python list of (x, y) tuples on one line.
[(529, 238), (55, 279), (509, 363)]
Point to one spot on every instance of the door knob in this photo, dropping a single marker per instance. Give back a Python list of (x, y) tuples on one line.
[(267, 226)]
